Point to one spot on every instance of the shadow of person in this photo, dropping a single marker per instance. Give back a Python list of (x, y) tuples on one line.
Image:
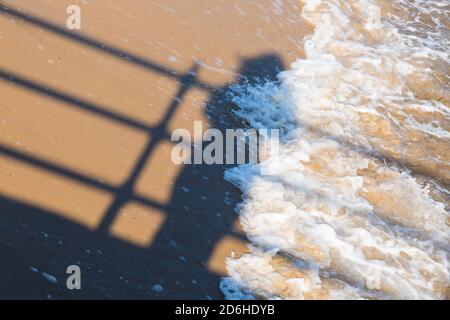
[(200, 215), (202, 211)]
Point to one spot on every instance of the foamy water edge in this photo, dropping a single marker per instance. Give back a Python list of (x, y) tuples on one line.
[(359, 208)]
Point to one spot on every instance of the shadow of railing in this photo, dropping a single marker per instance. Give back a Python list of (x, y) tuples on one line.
[(189, 250), (196, 221), (98, 45)]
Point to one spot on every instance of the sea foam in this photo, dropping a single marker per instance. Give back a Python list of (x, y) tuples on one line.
[(359, 206)]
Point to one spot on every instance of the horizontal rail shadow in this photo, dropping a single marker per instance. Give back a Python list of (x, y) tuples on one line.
[(98, 45), (70, 174), (67, 98)]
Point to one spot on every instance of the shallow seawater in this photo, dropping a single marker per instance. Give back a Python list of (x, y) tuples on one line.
[(359, 206)]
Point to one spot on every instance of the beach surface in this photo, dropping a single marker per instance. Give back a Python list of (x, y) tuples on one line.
[(86, 116), (356, 202)]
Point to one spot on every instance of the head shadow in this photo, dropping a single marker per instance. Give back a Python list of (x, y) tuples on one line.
[(253, 71)]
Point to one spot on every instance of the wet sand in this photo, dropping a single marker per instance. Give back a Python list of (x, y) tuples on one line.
[(85, 124)]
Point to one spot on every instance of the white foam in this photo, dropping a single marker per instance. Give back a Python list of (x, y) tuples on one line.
[(352, 225)]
